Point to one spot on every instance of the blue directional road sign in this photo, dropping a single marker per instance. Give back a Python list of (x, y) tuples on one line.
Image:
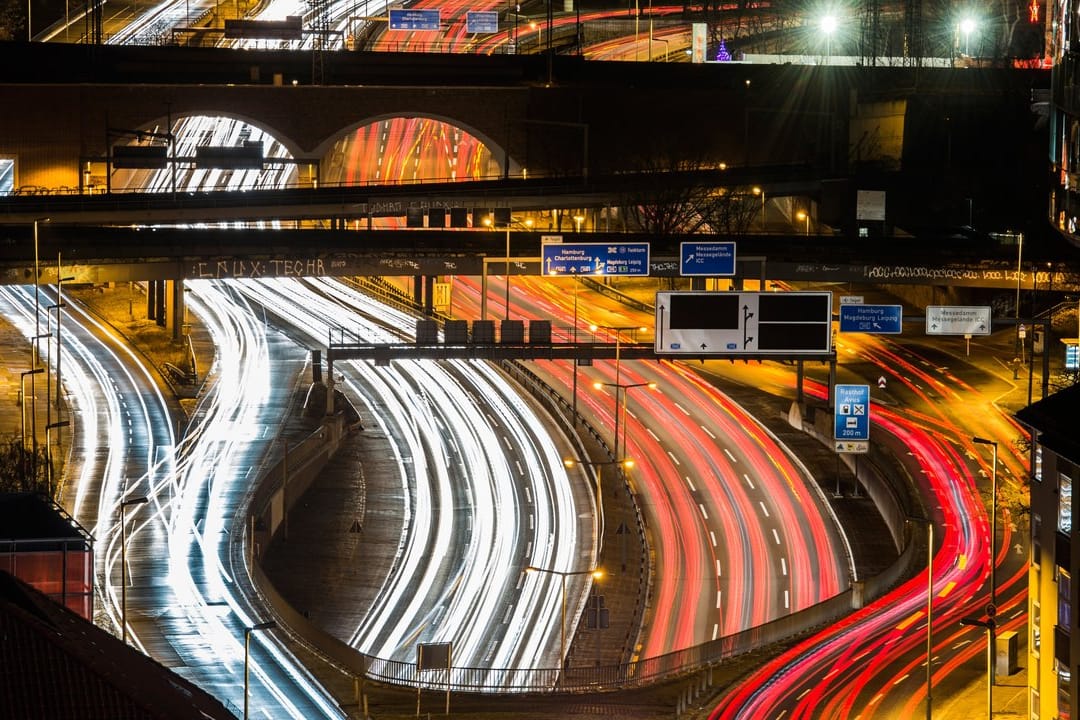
[(631, 258), (481, 21), (414, 19), (851, 419), (876, 319), (707, 258)]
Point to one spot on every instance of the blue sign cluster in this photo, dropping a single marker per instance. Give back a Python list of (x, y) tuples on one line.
[(707, 258), (875, 319), (481, 21), (414, 19), (595, 259), (851, 421)]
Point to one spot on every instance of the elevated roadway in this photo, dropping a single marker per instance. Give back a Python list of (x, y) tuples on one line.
[(93, 254)]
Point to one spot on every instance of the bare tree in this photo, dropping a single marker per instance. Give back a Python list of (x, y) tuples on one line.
[(17, 468)]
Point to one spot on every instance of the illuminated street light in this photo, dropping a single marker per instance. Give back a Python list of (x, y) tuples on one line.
[(761, 191), (620, 408), (247, 654), (123, 562), (625, 463), (563, 574), (805, 217), (828, 26), (618, 330), (490, 222), (578, 219), (967, 26), (539, 33)]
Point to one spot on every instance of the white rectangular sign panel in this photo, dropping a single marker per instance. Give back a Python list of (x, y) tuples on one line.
[(958, 320)]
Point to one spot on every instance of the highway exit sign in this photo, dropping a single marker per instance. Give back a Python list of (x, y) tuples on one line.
[(958, 320)]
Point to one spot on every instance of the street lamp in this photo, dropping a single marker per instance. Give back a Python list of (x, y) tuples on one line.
[(539, 33), (578, 219), (247, 653), (490, 222), (618, 330), (563, 574), (805, 217), (990, 625), (967, 26), (761, 191), (123, 561), (22, 413), (48, 451), (929, 609), (620, 408), (828, 26), (625, 463), (993, 519)]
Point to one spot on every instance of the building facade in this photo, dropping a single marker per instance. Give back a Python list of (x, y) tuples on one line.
[(1053, 597)]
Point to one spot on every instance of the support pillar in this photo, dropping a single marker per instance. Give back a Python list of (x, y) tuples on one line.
[(418, 290), (174, 290), (429, 295), (151, 300), (329, 385)]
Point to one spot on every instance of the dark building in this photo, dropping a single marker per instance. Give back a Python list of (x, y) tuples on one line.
[(1053, 598), (54, 664), (44, 546)]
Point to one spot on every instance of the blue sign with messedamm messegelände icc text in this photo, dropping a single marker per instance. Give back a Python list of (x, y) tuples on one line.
[(707, 258)]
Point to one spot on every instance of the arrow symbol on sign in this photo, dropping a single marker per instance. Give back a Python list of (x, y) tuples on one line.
[(1019, 549), (703, 346), (688, 259)]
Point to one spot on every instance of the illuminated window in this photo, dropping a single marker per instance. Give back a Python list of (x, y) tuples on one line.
[(1065, 611), (7, 175), (1036, 629), (1064, 503), (1063, 675), (1038, 463)]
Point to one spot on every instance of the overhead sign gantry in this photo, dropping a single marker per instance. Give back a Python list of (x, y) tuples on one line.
[(744, 323)]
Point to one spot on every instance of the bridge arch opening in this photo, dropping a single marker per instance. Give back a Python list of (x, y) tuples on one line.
[(255, 159), (413, 148)]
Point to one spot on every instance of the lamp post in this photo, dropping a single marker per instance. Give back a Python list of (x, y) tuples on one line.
[(490, 222), (539, 33), (625, 463), (37, 328), (48, 451), (123, 561), (620, 407), (60, 280), (247, 654), (22, 411), (828, 26), (805, 217), (618, 330), (990, 625), (967, 26), (929, 610), (993, 521), (761, 191), (1019, 352), (563, 574)]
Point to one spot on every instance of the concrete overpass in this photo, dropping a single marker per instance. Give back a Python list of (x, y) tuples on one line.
[(928, 136)]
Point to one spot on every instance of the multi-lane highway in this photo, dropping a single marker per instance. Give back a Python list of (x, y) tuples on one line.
[(874, 664), (740, 532), (488, 497)]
